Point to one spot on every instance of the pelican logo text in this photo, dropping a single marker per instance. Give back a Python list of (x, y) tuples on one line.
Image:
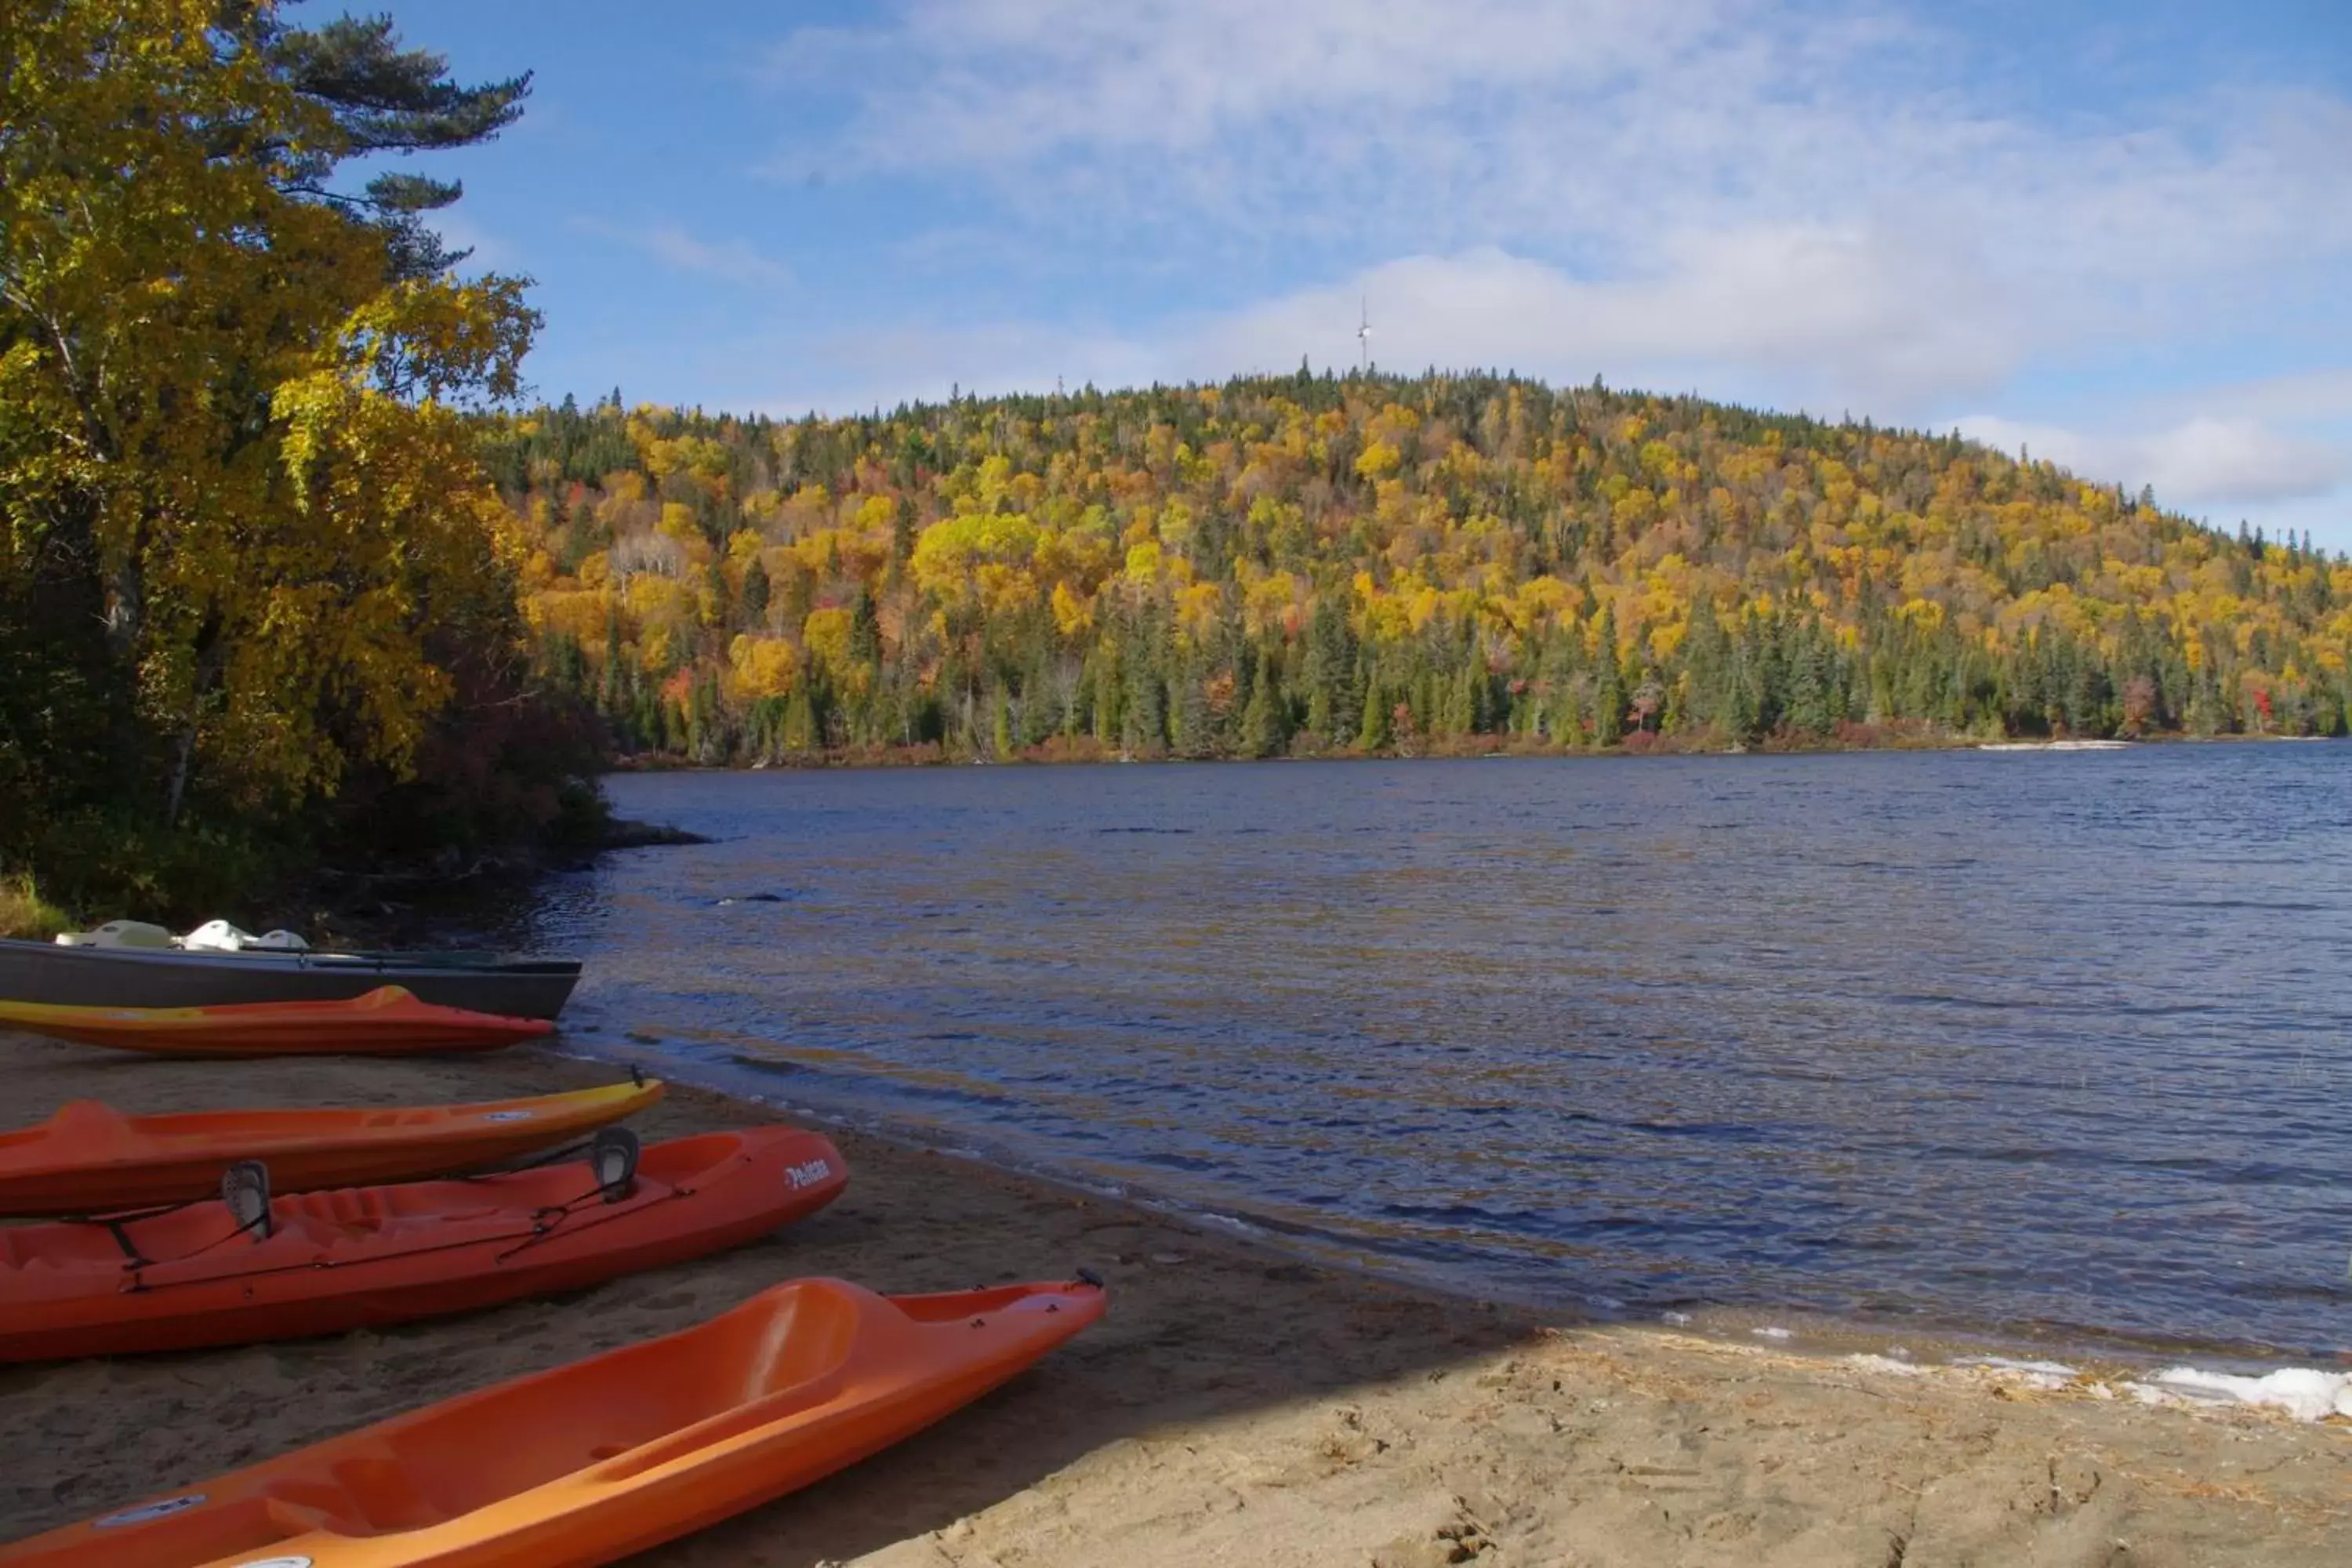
[(153, 1511), (808, 1174)]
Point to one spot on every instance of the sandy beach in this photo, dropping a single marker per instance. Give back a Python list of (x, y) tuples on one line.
[(1234, 1407)]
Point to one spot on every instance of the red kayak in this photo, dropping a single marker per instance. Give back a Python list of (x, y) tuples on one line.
[(387, 1021), (219, 1272)]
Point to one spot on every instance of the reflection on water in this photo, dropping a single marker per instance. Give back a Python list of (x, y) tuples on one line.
[(1993, 1040)]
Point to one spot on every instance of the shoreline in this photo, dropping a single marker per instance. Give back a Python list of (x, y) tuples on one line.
[(1234, 1407), (1091, 754), (2103, 1354)]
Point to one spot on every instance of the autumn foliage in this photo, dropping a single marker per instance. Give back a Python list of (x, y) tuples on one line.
[(1321, 564), (252, 572)]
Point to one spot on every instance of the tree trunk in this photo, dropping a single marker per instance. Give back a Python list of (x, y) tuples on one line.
[(126, 604), (187, 750), (208, 664)]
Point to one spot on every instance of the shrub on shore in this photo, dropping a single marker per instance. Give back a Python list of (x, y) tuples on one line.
[(25, 914)]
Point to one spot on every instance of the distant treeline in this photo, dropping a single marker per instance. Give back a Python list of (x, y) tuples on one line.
[(1315, 563)]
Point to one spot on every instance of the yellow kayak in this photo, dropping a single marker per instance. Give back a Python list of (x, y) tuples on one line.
[(90, 1159)]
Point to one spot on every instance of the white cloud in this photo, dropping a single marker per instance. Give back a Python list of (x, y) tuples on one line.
[(1811, 311), (2278, 449), (2301, 396), (2202, 462), (730, 261), (1175, 74), (1788, 308), (1446, 123), (1732, 183)]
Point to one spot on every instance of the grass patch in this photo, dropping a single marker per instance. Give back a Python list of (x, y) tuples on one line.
[(95, 866), (25, 914)]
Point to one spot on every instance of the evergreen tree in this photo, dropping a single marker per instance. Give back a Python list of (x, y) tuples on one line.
[(1461, 714), (1808, 686), (1144, 712), (1374, 733), (380, 99), (902, 531), (752, 603), (1265, 722), (1110, 695), (1040, 715), (865, 629), (580, 538), (1609, 695), (1706, 663), (614, 692), (1333, 695), (1190, 729)]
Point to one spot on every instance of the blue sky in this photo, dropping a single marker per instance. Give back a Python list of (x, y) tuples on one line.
[(2120, 235)]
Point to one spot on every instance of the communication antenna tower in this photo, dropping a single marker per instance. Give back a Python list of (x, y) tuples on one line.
[(1364, 336)]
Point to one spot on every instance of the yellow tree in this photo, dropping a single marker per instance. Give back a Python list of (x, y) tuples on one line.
[(230, 388)]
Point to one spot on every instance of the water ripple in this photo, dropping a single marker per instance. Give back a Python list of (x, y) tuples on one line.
[(2039, 1040)]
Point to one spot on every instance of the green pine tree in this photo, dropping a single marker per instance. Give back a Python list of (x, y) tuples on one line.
[(1264, 720), (751, 604), (1608, 697), (1372, 735)]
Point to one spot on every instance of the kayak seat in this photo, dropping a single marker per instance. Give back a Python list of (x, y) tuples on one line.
[(810, 1338), (337, 1212), (787, 1358), (753, 1369), (14, 1257), (383, 1495), (366, 1494)]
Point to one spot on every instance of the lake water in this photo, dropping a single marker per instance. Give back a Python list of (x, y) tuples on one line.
[(2025, 1043)]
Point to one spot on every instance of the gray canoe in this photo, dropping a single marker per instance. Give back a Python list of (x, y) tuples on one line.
[(168, 978)]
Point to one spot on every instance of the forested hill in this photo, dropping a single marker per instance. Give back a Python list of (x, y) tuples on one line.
[(1319, 563)]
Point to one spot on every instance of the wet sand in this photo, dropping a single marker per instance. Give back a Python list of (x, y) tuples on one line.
[(1235, 1406)]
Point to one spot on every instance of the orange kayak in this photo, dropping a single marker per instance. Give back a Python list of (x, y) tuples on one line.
[(325, 1262), (90, 1159), (591, 1462), (386, 1020)]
